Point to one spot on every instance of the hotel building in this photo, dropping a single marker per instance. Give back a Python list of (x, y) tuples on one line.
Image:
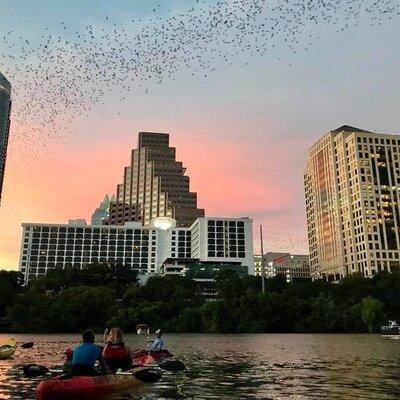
[(144, 248), (352, 191), (154, 185), (5, 112)]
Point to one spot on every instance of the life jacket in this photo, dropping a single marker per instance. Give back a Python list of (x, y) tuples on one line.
[(117, 356)]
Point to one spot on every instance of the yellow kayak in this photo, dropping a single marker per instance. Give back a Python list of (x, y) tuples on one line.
[(7, 349)]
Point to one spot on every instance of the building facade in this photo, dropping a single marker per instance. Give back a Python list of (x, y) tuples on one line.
[(352, 190), (143, 248), (155, 185), (5, 113), (219, 239), (292, 266)]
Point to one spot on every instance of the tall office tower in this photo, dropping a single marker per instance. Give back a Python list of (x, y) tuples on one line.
[(5, 111), (155, 185), (352, 190)]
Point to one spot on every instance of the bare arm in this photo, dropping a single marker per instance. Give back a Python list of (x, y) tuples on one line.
[(106, 334)]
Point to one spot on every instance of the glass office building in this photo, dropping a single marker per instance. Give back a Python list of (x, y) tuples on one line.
[(5, 110)]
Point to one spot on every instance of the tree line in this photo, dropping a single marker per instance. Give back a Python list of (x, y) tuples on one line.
[(70, 300)]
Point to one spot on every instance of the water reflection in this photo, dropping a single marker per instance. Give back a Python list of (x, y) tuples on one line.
[(242, 367)]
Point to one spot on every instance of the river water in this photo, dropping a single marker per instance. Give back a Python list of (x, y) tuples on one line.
[(260, 366)]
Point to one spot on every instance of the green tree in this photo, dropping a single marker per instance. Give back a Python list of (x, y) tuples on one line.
[(218, 317), (276, 284), (228, 284), (371, 313), (388, 292), (325, 315), (10, 285)]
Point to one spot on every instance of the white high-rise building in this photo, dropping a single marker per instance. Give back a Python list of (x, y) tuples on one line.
[(143, 248), (352, 190), (219, 239)]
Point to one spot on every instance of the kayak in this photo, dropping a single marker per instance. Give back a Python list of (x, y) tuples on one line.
[(144, 357), (7, 349), (63, 387)]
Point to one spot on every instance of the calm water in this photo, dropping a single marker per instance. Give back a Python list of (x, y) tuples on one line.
[(243, 367)]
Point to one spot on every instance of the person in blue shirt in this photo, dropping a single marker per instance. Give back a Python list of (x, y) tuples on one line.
[(158, 343), (85, 355)]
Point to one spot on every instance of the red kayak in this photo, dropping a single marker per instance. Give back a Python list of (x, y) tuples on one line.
[(144, 357), (92, 387)]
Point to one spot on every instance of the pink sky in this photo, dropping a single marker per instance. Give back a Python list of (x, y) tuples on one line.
[(225, 171), (242, 130)]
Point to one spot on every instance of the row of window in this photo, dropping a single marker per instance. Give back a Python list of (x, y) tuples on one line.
[(225, 223), (84, 236), (363, 139), (80, 242), (225, 229), (222, 254), (66, 261), (61, 254), (106, 231), (220, 235)]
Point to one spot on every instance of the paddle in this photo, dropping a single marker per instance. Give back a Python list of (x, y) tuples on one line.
[(167, 365), (150, 375), (172, 365), (142, 374), (27, 345), (32, 370)]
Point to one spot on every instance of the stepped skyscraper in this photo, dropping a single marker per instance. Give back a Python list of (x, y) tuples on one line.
[(154, 185), (352, 188), (5, 111)]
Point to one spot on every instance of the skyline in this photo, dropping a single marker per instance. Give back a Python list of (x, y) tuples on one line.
[(255, 123)]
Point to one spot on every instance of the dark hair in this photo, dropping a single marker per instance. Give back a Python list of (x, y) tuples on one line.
[(88, 336)]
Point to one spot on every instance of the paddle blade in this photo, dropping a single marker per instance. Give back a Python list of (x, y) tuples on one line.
[(27, 345), (32, 370), (149, 375), (172, 365)]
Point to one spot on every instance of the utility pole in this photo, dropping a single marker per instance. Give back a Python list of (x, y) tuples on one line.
[(262, 261)]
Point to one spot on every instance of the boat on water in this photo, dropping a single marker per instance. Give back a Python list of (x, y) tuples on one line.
[(157, 358), (150, 357), (142, 329), (64, 387), (391, 331), (7, 349)]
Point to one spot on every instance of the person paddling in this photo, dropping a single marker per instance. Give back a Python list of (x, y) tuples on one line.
[(158, 343), (85, 355), (115, 353)]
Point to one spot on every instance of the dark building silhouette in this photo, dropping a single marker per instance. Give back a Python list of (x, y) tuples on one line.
[(5, 111), (155, 185)]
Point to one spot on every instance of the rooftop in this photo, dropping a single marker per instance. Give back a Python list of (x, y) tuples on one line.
[(348, 128)]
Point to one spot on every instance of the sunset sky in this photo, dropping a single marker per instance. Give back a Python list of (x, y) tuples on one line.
[(242, 131)]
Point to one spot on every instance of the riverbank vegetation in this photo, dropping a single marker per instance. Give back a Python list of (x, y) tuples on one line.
[(70, 300)]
